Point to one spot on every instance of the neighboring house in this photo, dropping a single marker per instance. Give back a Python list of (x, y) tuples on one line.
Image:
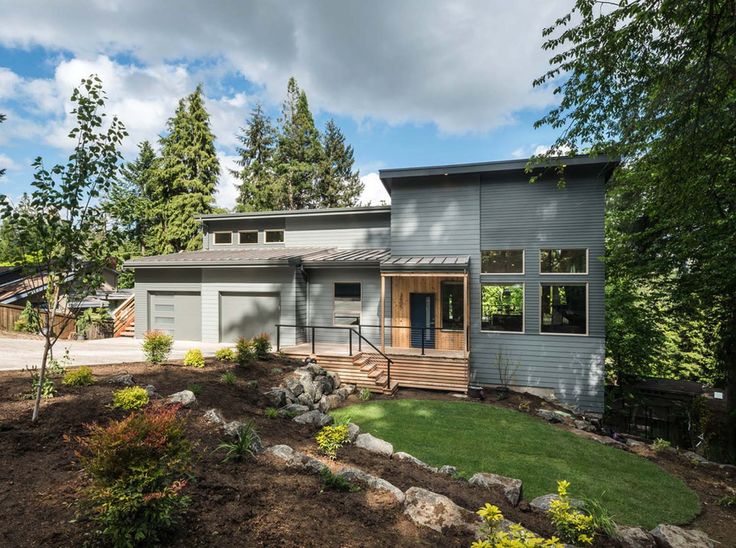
[(471, 275), (17, 288)]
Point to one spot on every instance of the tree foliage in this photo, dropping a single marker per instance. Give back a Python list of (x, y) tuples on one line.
[(654, 82), (65, 221)]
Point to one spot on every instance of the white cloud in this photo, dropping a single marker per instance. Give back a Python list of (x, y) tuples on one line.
[(374, 193), (465, 66), (6, 162), (227, 190)]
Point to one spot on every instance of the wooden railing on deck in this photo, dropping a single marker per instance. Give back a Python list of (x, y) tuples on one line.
[(123, 316)]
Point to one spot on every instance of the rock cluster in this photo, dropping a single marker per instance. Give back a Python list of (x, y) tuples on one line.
[(308, 394), (232, 428), (511, 487)]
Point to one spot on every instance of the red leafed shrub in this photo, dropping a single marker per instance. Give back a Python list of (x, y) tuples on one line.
[(139, 467)]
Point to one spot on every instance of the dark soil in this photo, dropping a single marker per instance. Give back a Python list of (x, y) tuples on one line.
[(255, 503)]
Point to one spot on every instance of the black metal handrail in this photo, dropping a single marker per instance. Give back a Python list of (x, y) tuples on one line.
[(350, 331)]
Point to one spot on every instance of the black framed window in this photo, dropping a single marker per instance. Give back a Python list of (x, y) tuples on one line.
[(563, 261), (502, 307), (274, 236), (347, 304), (502, 261), (249, 237), (223, 238), (564, 309), (453, 305)]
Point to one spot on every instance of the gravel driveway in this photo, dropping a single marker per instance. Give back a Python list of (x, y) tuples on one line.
[(19, 353)]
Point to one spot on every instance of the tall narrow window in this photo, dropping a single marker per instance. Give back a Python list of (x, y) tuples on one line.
[(502, 307), (223, 238), (502, 261), (563, 261), (347, 304), (453, 305), (248, 237), (565, 309), (274, 236)]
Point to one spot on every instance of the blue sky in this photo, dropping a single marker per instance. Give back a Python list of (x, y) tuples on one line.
[(418, 82)]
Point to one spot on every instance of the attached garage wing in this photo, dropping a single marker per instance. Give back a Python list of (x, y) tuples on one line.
[(177, 313), (248, 314)]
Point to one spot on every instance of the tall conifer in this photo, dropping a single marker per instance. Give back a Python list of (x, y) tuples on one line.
[(256, 173), (339, 185)]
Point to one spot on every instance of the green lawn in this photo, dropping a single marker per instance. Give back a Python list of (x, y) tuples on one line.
[(482, 438)]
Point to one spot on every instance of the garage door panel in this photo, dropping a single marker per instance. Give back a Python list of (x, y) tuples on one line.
[(248, 314), (177, 314)]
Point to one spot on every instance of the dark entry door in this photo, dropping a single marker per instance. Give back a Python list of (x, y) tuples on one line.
[(421, 313)]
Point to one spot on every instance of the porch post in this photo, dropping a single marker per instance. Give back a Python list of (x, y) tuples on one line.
[(465, 314), (383, 312)]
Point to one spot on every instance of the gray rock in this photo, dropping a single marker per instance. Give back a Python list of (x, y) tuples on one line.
[(315, 369), (233, 429), (448, 470), (329, 402), (341, 393), (123, 379), (150, 390), (326, 420), (295, 387), (350, 388), (310, 389), (542, 503), (293, 409), (411, 458), (511, 487), (336, 382), (429, 509), (305, 399), (583, 425), (185, 398), (634, 537), (692, 456), (670, 536), (295, 459), (374, 445), (553, 416), (315, 418), (353, 431), (214, 416), (276, 397), (373, 482)]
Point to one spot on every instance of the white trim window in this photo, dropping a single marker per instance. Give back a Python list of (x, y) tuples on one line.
[(502, 307), (347, 304), (274, 236), (222, 238), (248, 237), (563, 261), (563, 308), (502, 261)]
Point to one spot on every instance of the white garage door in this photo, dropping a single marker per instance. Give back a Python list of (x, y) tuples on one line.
[(248, 314), (177, 313)]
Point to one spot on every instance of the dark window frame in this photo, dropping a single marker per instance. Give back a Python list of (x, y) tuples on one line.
[(219, 232), (273, 231), (458, 325), (240, 237), (513, 273), (542, 312), (508, 283), (542, 263)]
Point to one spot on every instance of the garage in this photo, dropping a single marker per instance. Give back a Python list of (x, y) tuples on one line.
[(248, 314), (177, 313)]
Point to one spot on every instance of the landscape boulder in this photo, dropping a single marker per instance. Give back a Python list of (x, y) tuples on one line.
[(305, 399), (448, 470), (150, 390), (429, 509), (553, 416), (293, 409), (315, 418), (585, 426), (185, 398), (329, 402), (671, 536), (295, 387), (336, 382), (411, 458), (295, 459), (214, 416), (511, 487), (233, 428), (123, 379), (634, 537), (373, 482), (276, 397), (353, 431), (543, 502), (349, 388), (374, 445)]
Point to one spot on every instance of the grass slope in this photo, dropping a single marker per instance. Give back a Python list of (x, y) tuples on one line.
[(482, 438)]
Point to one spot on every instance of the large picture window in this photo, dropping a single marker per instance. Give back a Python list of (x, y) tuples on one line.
[(223, 238), (347, 304), (453, 305), (502, 261), (564, 309), (502, 307), (563, 261)]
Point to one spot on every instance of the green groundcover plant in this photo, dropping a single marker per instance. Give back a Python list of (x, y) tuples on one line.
[(131, 398)]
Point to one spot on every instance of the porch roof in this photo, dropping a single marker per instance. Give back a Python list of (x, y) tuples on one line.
[(426, 263)]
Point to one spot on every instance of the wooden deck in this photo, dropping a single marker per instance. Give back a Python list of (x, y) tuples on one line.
[(436, 370)]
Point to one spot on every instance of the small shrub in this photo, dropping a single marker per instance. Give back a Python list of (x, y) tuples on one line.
[(602, 519), (81, 376), (271, 412), (261, 346), (225, 355), (57, 368), (492, 535), (29, 321), (133, 397), (573, 526), (331, 438), (242, 446), (157, 346), (194, 358), (365, 394), (729, 501), (139, 467), (195, 388), (336, 483), (49, 388), (661, 445), (245, 352), (228, 378)]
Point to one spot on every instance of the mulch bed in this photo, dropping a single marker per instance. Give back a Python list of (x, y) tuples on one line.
[(254, 503)]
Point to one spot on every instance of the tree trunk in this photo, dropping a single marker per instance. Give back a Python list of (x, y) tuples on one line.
[(42, 375), (728, 359)]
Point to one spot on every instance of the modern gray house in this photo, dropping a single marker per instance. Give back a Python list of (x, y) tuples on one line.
[(473, 275)]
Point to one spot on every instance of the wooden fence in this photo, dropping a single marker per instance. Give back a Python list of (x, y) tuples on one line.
[(9, 314)]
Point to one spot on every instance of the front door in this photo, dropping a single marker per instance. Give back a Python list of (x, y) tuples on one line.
[(421, 314)]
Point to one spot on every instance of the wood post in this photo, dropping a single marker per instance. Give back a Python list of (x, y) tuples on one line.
[(466, 314), (383, 313)]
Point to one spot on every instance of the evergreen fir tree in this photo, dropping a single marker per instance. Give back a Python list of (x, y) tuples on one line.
[(258, 146), (339, 185), (186, 177)]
